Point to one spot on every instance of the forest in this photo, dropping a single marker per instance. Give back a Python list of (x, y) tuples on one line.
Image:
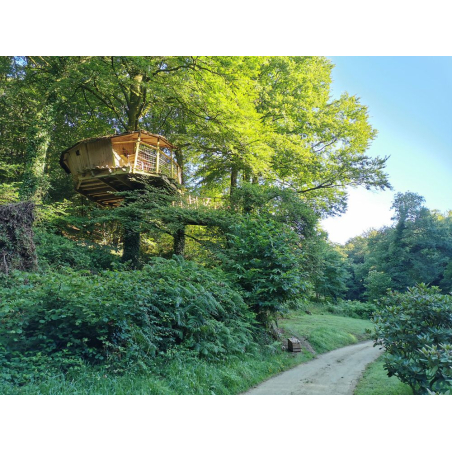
[(196, 274)]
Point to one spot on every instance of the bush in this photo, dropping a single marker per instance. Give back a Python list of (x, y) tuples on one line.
[(415, 328), (122, 319), (56, 251), (355, 309), (264, 259)]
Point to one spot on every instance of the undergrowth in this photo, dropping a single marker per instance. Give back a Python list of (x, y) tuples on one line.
[(178, 375), (122, 320)]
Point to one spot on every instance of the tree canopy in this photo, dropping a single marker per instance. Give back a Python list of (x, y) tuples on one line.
[(268, 120)]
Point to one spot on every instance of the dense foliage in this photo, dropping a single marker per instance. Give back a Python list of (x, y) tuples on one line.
[(415, 329), (233, 119), (57, 251), (121, 318), (264, 260)]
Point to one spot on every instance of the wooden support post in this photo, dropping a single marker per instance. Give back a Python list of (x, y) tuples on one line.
[(172, 166), (157, 158), (137, 150)]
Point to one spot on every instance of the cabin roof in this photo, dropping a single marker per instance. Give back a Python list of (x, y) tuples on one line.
[(147, 137)]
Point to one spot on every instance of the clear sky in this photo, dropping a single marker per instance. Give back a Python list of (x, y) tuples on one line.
[(410, 104)]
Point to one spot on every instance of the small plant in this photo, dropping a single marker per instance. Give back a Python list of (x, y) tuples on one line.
[(415, 328)]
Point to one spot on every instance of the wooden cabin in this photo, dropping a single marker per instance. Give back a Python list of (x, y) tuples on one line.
[(102, 166)]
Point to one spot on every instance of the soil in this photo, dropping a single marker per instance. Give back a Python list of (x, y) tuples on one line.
[(333, 373)]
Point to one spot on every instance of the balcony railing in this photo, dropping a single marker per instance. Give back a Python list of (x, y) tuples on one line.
[(149, 159)]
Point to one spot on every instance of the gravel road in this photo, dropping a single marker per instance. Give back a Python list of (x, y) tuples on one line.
[(335, 372)]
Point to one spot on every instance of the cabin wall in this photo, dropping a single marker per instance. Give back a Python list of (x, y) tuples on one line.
[(75, 162), (88, 156), (100, 153)]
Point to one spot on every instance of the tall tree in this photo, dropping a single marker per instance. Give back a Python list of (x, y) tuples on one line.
[(235, 120), (417, 248)]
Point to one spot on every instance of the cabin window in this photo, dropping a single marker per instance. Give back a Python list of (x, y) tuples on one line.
[(77, 152)]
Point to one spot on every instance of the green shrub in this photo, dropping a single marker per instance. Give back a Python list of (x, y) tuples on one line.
[(264, 259), (122, 319), (415, 328), (355, 309), (56, 251)]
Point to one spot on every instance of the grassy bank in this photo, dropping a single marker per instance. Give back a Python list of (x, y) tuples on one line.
[(326, 332), (189, 375), (375, 381), (178, 376)]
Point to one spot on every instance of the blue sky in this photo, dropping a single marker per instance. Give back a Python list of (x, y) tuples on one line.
[(410, 104)]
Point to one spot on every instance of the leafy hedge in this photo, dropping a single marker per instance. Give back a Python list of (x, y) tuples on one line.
[(415, 328), (122, 319)]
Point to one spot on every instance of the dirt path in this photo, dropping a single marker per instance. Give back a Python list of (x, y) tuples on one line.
[(335, 372)]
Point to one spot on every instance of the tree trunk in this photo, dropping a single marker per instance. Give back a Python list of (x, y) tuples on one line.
[(131, 239), (34, 184), (180, 160), (179, 236), (131, 248), (17, 248), (135, 104), (179, 242)]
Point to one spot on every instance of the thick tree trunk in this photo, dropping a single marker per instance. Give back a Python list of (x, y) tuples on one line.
[(17, 248), (179, 236), (179, 242), (34, 184), (131, 239), (131, 248), (135, 104), (180, 160)]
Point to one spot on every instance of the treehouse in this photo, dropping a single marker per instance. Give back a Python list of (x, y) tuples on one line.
[(103, 166)]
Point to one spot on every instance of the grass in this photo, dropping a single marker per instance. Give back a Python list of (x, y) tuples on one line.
[(188, 375), (178, 376), (326, 332), (375, 381)]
